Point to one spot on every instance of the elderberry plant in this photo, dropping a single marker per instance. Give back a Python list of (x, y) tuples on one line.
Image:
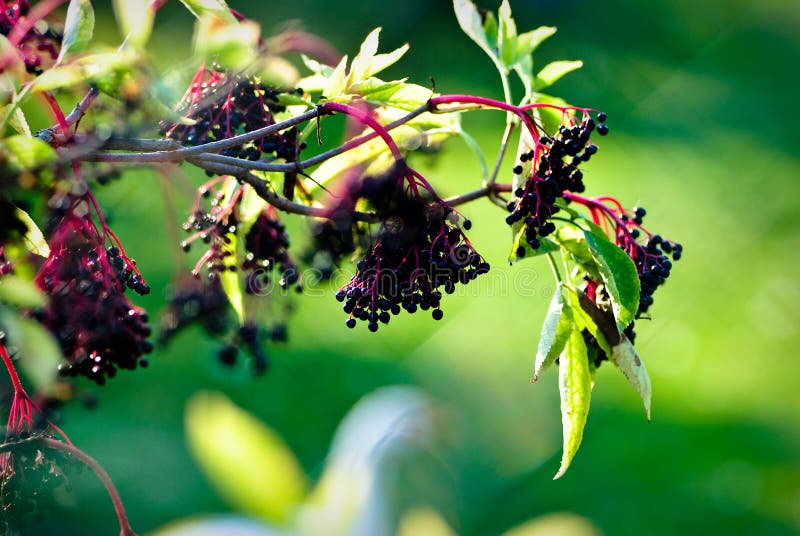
[(249, 120)]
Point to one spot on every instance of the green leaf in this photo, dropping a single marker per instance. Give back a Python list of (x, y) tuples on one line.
[(218, 525), (529, 41), (217, 8), (619, 276), (106, 70), (583, 320), (555, 333), (575, 387), (135, 21), (470, 21), (550, 117), (230, 44), (624, 355), (247, 463), (409, 97), (39, 353), (574, 246), (546, 245), (20, 292), (230, 281), (376, 90), (553, 72), (368, 62), (17, 119), (25, 153), (34, 239), (78, 28), (506, 35), (490, 29)]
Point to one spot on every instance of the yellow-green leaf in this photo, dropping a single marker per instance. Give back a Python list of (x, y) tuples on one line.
[(34, 239), (38, 352), (619, 276), (553, 72), (26, 153), (247, 463), (556, 330), (575, 388), (135, 21), (78, 28), (217, 8), (17, 119)]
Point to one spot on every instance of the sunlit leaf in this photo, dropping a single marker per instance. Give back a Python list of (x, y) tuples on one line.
[(506, 35), (229, 280), (217, 8), (619, 276), (528, 42), (34, 239), (17, 119), (546, 245), (555, 332), (624, 355), (557, 524), (246, 462), (470, 21), (553, 72), (423, 522), (583, 320), (231, 45), (20, 292), (78, 28), (575, 388), (135, 21), (24, 153)]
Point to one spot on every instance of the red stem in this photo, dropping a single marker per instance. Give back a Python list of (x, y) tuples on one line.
[(367, 120)]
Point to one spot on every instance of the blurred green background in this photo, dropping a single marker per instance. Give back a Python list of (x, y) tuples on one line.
[(696, 94)]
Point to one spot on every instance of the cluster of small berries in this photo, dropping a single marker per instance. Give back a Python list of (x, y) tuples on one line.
[(252, 339), (191, 300), (267, 246), (222, 105), (553, 164), (650, 253), (40, 46), (419, 248), (98, 328)]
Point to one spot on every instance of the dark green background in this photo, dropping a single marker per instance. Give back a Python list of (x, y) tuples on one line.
[(700, 97)]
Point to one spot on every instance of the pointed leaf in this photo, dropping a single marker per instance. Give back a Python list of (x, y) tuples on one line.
[(38, 352), (361, 62), (553, 72), (529, 41), (17, 119), (34, 239), (230, 281), (246, 462), (583, 320), (619, 275), (78, 28), (134, 20), (575, 387), (555, 333), (470, 21), (506, 35), (218, 8), (383, 61), (627, 359)]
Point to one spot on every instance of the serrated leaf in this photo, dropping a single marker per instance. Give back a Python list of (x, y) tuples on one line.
[(619, 276), (78, 28), (376, 90), (409, 97), (575, 388), (38, 352), (553, 72), (506, 35), (218, 8), (17, 119), (624, 355), (555, 333), (469, 19), (25, 153), (546, 245), (249, 464), (34, 239), (135, 21), (20, 292), (575, 247)]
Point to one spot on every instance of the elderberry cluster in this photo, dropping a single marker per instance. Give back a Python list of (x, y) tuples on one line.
[(654, 266), (98, 328), (419, 248), (223, 105), (40, 46), (267, 246), (554, 169), (191, 301)]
